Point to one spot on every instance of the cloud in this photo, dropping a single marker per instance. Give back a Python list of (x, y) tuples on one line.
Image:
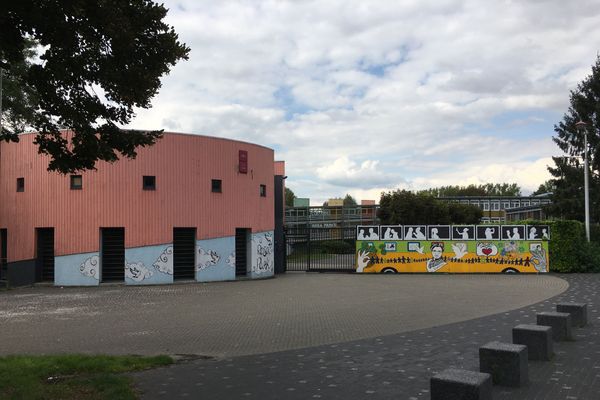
[(346, 173), (361, 97)]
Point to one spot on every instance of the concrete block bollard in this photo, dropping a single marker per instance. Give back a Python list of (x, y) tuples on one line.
[(538, 340), (506, 362), (578, 311), (560, 323), (461, 384)]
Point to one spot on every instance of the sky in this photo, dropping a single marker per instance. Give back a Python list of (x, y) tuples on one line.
[(362, 97)]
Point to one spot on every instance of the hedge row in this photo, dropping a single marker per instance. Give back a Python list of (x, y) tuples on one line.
[(569, 249)]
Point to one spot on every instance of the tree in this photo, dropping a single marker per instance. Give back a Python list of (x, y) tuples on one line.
[(488, 189), (289, 197), (18, 99), (98, 60), (405, 207), (567, 172), (544, 188), (349, 201)]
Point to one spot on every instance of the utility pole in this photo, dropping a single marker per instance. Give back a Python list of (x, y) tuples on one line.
[(581, 127)]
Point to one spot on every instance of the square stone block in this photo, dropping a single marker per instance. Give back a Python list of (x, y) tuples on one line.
[(578, 311), (560, 323), (538, 340), (506, 362), (461, 384)]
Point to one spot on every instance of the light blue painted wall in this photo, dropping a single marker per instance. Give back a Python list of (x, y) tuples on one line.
[(77, 270), (215, 259), (262, 255), (149, 265)]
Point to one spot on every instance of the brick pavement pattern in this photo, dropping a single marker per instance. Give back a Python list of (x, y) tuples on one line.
[(252, 317), (399, 366)]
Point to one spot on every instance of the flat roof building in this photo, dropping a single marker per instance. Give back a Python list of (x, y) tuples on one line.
[(189, 207)]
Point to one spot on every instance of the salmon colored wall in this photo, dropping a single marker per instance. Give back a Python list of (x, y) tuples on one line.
[(112, 196)]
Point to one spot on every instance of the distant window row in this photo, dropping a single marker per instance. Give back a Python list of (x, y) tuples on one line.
[(148, 183), (504, 205)]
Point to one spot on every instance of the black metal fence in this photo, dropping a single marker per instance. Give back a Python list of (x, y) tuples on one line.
[(320, 249)]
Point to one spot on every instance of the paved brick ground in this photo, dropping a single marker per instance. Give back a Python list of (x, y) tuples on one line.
[(398, 366), (252, 317)]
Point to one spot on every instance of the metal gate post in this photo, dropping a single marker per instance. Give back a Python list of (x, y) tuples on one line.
[(308, 247)]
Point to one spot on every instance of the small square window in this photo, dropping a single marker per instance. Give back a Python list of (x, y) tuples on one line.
[(149, 182), (216, 186), (76, 182), (20, 184), (263, 190)]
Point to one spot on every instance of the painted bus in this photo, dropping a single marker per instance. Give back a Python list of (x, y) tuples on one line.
[(452, 248)]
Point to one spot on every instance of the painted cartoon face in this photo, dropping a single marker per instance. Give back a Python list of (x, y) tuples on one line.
[(436, 252)]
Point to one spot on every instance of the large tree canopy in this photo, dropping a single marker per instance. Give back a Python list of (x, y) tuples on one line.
[(97, 61), (405, 207), (568, 196), (488, 189)]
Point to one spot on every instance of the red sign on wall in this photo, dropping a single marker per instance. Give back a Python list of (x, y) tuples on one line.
[(243, 162)]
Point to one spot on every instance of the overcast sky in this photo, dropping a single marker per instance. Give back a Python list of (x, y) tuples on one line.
[(365, 97)]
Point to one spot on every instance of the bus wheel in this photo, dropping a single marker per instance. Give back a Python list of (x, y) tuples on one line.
[(510, 271), (388, 270)]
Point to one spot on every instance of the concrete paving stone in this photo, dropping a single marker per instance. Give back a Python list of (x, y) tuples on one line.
[(305, 336), (399, 366)]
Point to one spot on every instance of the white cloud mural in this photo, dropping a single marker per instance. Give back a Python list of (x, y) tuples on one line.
[(231, 260), (206, 258), (164, 262), (90, 267), (137, 271)]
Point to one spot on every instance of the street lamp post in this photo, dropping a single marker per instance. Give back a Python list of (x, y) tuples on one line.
[(581, 127)]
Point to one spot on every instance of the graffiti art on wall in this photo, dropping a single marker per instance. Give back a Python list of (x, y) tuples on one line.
[(137, 271), (164, 262), (486, 248), (231, 260), (90, 267), (262, 253), (206, 258)]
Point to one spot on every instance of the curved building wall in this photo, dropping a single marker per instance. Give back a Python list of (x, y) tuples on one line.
[(113, 196)]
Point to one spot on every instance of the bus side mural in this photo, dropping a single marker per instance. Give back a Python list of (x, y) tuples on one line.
[(452, 248)]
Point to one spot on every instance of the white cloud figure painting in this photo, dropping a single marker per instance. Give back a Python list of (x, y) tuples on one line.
[(90, 267), (164, 262)]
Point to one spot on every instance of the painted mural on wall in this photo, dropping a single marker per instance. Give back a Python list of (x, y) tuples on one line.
[(137, 271), (262, 253), (149, 265), (213, 259), (456, 248), (77, 270), (206, 258), (164, 262), (91, 267)]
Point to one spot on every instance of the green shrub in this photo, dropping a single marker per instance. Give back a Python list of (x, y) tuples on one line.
[(568, 247), (335, 246)]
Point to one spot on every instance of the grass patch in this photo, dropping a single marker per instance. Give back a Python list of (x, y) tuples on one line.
[(71, 376)]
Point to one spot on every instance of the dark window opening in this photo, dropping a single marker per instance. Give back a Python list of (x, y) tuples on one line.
[(20, 184), (263, 190), (216, 186), (149, 182), (112, 255), (3, 251), (242, 237), (184, 253), (76, 182), (45, 254)]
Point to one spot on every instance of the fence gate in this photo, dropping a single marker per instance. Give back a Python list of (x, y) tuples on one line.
[(320, 249)]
